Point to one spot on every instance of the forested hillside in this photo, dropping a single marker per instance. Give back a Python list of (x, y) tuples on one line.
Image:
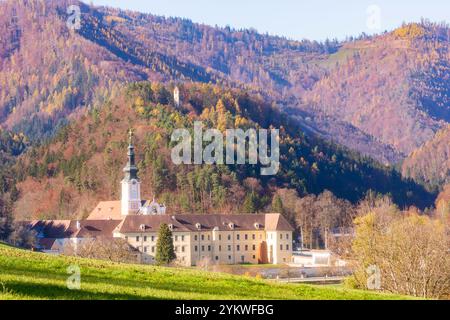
[(394, 87), (430, 164), (48, 71), (11, 145), (83, 163), (383, 96)]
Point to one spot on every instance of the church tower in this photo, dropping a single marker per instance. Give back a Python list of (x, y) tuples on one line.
[(131, 186)]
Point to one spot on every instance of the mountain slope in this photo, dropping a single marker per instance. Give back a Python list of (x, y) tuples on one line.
[(383, 96), (48, 72), (82, 165), (430, 164), (394, 87)]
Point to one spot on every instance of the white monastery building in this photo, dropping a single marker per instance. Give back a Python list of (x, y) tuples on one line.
[(219, 238)]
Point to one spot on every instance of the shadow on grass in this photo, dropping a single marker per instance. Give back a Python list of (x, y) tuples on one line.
[(242, 288), (49, 291), (200, 288)]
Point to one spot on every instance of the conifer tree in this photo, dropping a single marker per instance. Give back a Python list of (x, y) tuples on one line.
[(277, 205), (250, 203), (165, 252), (5, 220)]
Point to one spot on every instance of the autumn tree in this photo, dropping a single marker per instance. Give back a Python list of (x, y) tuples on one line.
[(21, 236), (317, 216), (165, 252), (407, 251), (115, 250)]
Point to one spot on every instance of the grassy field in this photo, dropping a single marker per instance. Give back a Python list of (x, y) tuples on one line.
[(28, 275)]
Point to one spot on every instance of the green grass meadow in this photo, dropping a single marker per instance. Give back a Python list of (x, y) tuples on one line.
[(30, 275)]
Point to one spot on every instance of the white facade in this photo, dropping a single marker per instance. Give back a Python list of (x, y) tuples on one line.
[(131, 197)]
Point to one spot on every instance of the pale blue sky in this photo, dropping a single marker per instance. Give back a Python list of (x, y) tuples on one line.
[(296, 19)]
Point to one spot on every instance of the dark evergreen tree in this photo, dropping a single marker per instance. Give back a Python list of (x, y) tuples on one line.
[(165, 252), (251, 203), (277, 205), (6, 226)]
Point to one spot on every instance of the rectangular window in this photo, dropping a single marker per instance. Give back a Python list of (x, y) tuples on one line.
[(220, 248), (229, 248), (220, 237), (229, 257), (153, 249), (287, 247), (209, 237), (137, 239), (281, 236), (176, 238), (209, 248), (182, 249), (246, 247), (287, 236), (195, 238), (203, 237), (246, 236), (238, 247), (237, 236), (176, 249), (229, 237), (253, 236), (195, 248), (281, 247), (145, 238), (254, 257), (254, 247), (145, 249), (217, 258), (153, 238), (203, 248), (182, 238)]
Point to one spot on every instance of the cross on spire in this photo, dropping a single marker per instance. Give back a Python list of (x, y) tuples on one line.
[(130, 136), (131, 169)]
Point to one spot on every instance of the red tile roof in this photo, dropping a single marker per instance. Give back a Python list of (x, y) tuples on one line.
[(62, 229), (95, 228), (107, 210), (269, 222)]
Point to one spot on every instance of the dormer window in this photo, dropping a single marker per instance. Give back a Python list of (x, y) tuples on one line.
[(231, 225), (171, 227), (198, 226), (142, 227), (257, 226)]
